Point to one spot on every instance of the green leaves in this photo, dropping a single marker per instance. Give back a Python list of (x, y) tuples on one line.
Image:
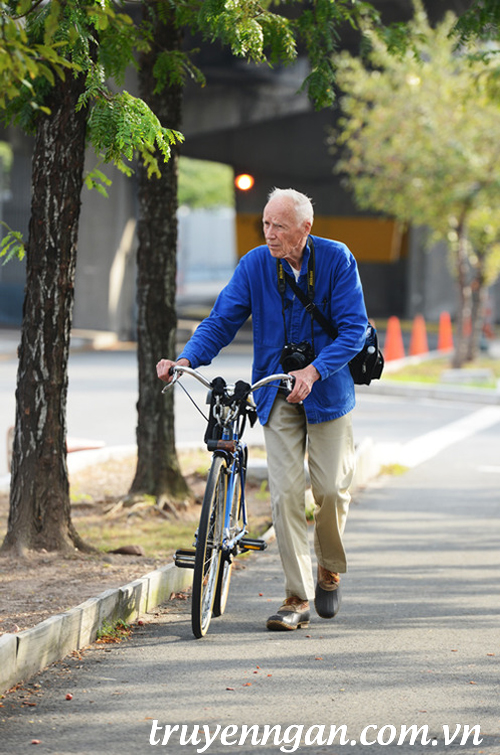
[(11, 245), (420, 128), (120, 124), (420, 136), (205, 184), (22, 59), (98, 180), (173, 68), (91, 37), (481, 20), (247, 28), (256, 31)]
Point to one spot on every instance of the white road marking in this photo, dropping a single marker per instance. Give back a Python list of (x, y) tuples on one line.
[(427, 446)]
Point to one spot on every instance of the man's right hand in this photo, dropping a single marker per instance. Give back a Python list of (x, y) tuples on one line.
[(164, 366)]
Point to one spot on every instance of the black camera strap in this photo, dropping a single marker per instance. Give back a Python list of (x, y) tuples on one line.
[(306, 300), (311, 307)]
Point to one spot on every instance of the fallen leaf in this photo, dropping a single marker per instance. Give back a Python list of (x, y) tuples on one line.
[(230, 689), (36, 741)]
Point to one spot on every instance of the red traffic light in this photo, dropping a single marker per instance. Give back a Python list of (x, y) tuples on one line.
[(244, 181)]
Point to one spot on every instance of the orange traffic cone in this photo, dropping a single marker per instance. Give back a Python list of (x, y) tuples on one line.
[(418, 340), (393, 345), (445, 335)]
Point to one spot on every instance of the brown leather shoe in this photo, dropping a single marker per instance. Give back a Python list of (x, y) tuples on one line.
[(328, 597), (292, 614)]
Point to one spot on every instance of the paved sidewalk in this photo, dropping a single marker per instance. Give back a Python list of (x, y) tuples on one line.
[(416, 642), (44, 637)]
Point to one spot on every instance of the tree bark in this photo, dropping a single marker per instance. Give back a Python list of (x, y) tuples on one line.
[(464, 299), (39, 496), (158, 473), (478, 298)]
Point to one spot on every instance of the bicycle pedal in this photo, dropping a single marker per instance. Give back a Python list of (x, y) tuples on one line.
[(251, 544), (184, 559)]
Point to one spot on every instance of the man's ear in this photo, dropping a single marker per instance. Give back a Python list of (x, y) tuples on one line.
[(307, 226)]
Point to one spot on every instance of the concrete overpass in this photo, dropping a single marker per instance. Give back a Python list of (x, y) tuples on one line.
[(252, 118)]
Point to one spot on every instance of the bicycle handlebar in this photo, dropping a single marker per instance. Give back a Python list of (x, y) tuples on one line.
[(177, 371)]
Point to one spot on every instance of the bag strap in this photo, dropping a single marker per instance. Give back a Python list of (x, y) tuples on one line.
[(311, 307), (307, 301)]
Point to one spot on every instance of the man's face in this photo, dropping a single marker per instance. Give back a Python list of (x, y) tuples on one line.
[(284, 235)]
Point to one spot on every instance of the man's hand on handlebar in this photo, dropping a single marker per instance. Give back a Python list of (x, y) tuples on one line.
[(304, 381), (164, 368)]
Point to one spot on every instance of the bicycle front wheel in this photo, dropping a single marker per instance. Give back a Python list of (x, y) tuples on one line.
[(208, 548), (226, 564)]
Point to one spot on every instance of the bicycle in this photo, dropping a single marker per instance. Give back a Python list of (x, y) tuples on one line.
[(222, 529)]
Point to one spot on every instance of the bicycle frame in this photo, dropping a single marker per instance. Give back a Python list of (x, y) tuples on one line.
[(231, 444), (229, 406), (229, 543)]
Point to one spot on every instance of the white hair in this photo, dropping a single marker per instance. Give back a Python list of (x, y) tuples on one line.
[(301, 203)]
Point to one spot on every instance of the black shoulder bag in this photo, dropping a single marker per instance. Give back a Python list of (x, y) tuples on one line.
[(365, 366)]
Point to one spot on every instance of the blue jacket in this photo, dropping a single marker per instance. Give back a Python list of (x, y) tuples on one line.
[(253, 290)]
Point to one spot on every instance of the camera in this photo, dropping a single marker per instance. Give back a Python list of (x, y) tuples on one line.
[(296, 356)]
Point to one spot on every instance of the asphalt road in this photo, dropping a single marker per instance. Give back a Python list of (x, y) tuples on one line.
[(103, 391), (416, 641)]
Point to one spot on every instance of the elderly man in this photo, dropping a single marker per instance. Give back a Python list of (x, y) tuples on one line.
[(316, 415)]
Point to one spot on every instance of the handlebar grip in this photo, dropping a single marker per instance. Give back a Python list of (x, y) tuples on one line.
[(288, 388)]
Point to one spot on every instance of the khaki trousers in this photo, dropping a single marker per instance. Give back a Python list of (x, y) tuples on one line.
[(331, 461)]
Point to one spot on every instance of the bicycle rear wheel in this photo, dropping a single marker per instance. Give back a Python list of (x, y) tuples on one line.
[(226, 564), (208, 553)]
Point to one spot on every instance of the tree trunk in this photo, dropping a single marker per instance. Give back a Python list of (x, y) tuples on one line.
[(478, 297), (39, 497), (464, 299), (158, 473)]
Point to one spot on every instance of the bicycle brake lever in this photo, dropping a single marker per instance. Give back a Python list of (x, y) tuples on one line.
[(176, 372)]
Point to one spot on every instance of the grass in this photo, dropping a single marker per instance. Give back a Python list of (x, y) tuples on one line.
[(393, 470), (431, 372), (158, 537), (113, 632), (111, 523), (105, 517)]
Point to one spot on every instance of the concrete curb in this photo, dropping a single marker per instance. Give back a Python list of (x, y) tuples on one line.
[(30, 651), (24, 654)]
